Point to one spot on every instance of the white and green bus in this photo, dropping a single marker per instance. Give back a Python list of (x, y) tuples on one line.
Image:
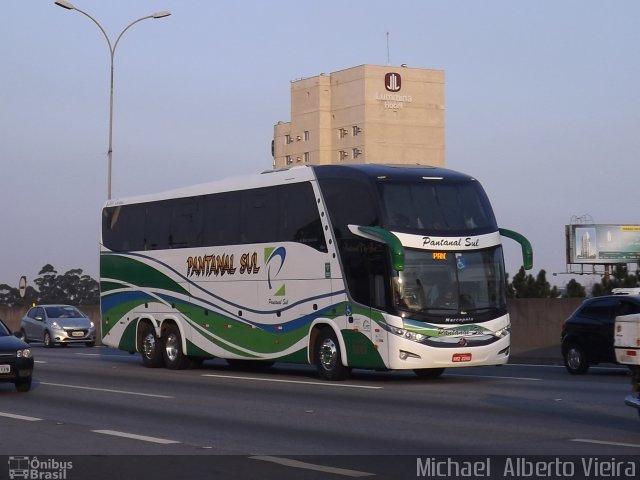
[(342, 266)]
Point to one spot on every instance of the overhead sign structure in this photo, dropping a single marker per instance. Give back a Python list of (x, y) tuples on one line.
[(22, 286), (602, 244)]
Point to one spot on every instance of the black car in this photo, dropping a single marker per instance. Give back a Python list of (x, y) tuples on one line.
[(587, 335), (16, 361)]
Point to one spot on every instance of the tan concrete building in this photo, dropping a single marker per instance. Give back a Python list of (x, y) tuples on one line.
[(364, 114)]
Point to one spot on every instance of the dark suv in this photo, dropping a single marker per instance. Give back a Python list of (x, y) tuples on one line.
[(587, 335)]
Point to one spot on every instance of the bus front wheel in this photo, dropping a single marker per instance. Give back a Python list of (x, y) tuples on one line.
[(150, 347), (327, 356)]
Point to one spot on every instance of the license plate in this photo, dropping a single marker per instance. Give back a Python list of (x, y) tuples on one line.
[(5, 368), (77, 334), (461, 357)]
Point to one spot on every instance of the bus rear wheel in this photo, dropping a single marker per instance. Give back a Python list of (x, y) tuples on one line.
[(172, 353), (327, 356), (150, 347)]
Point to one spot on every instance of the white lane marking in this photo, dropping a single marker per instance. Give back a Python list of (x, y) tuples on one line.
[(19, 417), (533, 365), (491, 376), (275, 380), (40, 361), (310, 466), (601, 442), (612, 369), (124, 392), (133, 436)]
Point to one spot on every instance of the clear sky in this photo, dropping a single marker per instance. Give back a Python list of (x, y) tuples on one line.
[(542, 105)]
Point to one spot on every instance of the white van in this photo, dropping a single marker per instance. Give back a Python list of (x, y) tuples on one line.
[(626, 291)]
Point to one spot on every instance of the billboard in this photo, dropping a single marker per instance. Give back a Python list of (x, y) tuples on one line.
[(602, 244)]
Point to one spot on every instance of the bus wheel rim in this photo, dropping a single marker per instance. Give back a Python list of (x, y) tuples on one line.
[(149, 345), (171, 347), (328, 354)]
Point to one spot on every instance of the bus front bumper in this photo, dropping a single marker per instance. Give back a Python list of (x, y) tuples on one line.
[(405, 354)]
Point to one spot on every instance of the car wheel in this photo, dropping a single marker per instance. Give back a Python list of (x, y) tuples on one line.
[(150, 348), (575, 360), (428, 372), (23, 385), (48, 341), (327, 356), (172, 353)]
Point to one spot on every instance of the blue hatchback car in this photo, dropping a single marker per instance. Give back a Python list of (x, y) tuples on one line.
[(16, 360)]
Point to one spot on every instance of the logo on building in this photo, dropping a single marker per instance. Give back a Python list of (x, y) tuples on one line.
[(392, 82)]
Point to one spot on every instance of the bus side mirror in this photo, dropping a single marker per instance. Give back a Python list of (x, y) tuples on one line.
[(527, 250), (381, 235)]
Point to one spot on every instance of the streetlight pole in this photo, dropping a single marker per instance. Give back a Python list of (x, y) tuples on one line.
[(112, 50)]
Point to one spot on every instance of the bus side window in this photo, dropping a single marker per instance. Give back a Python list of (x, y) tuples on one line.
[(186, 223), (365, 265), (259, 216), (300, 220), (221, 219), (157, 229), (349, 202)]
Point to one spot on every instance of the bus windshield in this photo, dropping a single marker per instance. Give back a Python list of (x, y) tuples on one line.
[(451, 286), (433, 205)]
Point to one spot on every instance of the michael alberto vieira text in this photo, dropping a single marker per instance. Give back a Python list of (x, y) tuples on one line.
[(522, 467)]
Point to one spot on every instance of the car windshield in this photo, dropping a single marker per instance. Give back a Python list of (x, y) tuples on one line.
[(63, 312)]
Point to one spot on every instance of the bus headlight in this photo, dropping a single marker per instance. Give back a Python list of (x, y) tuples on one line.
[(416, 337), (409, 335), (503, 332)]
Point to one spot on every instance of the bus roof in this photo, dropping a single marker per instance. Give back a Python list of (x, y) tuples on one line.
[(299, 174)]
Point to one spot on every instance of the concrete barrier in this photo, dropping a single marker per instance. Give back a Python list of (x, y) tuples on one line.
[(535, 326)]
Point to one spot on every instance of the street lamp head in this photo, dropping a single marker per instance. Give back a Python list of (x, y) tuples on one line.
[(162, 14), (64, 4)]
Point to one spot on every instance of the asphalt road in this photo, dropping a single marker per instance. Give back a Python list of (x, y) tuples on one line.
[(103, 410)]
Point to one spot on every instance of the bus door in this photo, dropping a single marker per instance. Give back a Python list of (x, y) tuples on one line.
[(366, 270)]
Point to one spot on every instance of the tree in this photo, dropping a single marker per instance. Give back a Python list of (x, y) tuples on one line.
[(526, 286), (9, 296), (72, 288), (574, 290), (46, 283), (78, 289), (619, 278)]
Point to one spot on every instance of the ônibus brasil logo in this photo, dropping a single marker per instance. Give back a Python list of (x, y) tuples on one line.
[(35, 468)]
